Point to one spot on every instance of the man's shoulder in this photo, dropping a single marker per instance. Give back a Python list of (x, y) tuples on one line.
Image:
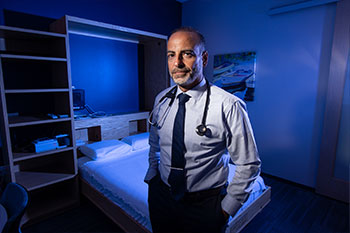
[(225, 96)]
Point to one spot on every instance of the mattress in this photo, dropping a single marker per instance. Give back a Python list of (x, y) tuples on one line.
[(120, 179)]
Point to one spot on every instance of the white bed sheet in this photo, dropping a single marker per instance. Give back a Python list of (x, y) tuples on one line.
[(120, 178)]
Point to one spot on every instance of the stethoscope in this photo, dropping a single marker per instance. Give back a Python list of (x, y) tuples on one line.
[(201, 129)]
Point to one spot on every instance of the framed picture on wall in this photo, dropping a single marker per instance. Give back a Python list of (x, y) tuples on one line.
[(235, 73)]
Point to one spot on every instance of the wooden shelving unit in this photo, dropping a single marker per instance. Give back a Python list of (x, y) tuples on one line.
[(35, 81)]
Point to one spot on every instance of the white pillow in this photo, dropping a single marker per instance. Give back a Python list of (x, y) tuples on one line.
[(102, 149), (137, 141)]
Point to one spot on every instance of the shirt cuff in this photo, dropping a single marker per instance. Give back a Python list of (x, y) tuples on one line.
[(151, 172), (230, 205)]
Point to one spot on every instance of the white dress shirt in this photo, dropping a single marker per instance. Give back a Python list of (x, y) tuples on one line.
[(206, 161)]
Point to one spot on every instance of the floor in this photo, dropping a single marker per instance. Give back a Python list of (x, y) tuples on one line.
[(293, 208)]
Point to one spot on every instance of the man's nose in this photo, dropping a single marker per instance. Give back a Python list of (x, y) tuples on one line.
[(179, 61)]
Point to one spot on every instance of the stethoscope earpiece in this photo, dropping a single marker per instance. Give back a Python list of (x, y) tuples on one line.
[(201, 130)]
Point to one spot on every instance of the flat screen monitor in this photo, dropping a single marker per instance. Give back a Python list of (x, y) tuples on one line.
[(78, 99)]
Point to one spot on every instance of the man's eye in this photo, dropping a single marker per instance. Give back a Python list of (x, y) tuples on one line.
[(170, 56), (188, 54)]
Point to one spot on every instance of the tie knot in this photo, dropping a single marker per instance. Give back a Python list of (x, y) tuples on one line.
[(183, 98)]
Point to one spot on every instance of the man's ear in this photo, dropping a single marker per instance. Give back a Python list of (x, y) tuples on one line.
[(205, 58)]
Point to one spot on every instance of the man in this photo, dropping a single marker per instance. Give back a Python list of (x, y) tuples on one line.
[(188, 170)]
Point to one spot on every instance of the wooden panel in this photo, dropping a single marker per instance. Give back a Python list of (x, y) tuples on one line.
[(327, 184), (5, 132), (156, 76), (60, 26), (142, 125), (94, 133), (112, 127)]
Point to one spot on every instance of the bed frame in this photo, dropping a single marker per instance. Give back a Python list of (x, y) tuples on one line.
[(109, 208), (128, 224)]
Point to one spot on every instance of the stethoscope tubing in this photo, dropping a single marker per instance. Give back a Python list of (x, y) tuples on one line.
[(200, 129)]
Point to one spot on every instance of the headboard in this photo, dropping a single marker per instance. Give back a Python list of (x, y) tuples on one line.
[(111, 127)]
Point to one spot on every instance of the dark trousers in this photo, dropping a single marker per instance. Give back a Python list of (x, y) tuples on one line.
[(197, 212)]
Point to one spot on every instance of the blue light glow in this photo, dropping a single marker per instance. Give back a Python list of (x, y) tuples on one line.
[(108, 72)]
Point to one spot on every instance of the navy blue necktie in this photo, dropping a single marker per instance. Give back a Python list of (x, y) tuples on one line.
[(177, 174)]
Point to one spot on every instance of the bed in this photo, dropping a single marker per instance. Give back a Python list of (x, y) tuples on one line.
[(112, 178)]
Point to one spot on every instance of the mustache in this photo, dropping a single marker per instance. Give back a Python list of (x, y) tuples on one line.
[(180, 70)]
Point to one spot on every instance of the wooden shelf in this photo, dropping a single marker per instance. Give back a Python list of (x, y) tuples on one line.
[(26, 121), (52, 90), (36, 180), (14, 32), (17, 157), (19, 42), (27, 57)]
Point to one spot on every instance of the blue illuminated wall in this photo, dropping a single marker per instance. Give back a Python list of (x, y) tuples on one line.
[(293, 53), (107, 71)]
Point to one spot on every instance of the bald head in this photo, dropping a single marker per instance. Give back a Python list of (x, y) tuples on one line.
[(200, 37)]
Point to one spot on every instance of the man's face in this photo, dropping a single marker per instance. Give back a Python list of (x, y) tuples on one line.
[(186, 59)]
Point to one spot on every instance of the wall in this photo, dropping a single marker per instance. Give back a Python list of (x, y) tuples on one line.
[(293, 52), (158, 16), (106, 69)]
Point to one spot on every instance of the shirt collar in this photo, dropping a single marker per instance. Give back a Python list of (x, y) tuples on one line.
[(196, 92)]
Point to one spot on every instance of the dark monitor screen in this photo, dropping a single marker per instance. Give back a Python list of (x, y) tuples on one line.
[(78, 99)]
